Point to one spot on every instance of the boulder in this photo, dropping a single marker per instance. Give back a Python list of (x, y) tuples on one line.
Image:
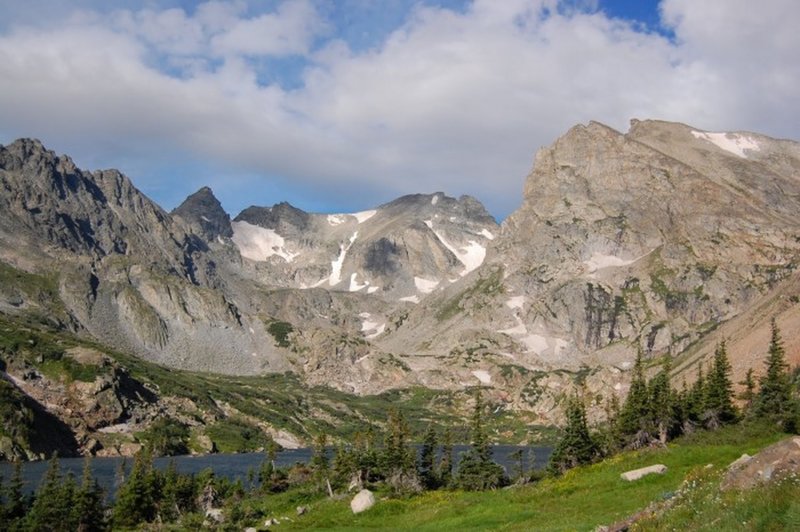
[(636, 474), (302, 510), (777, 461), (364, 500)]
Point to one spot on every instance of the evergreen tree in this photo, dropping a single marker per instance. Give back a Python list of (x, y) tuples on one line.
[(748, 395), (320, 464), (136, 498), (445, 470), (50, 511), (694, 406), (774, 399), (366, 454), (720, 409), (576, 445), (89, 510), (168, 509), (476, 470), (634, 420), (3, 506), (518, 458), (66, 502), (397, 456), (16, 506), (662, 405), (345, 466), (427, 460)]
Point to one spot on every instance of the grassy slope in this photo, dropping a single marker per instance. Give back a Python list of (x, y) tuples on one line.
[(581, 500)]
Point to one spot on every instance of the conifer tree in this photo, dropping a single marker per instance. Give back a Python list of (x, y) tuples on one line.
[(635, 415), (168, 509), (16, 506), (445, 470), (774, 399), (576, 445), (662, 405), (695, 404), (720, 409), (320, 463), (477, 471), (427, 460), (49, 510), (748, 395), (89, 510), (518, 458), (397, 456), (136, 501), (345, 466)]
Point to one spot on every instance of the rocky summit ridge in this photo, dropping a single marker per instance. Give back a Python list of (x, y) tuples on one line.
[(657, 239)]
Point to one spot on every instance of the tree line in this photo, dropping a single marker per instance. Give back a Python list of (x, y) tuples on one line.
[(655, 412)]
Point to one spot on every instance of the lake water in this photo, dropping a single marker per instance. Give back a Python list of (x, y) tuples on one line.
[(233, 466)]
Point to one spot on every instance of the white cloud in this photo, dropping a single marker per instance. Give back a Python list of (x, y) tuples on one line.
[(450, 101)]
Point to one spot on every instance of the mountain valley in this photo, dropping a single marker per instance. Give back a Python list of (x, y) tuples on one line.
[(664, 239)]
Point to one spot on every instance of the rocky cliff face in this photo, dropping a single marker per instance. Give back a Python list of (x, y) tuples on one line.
[(646, 240)]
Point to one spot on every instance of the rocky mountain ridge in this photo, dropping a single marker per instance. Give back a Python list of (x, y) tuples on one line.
[(649, 239)]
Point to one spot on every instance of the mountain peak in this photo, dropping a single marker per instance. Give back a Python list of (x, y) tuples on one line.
[(204, 213)]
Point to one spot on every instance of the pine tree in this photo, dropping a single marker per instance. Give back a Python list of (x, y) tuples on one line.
[(634, 422), (748, 395), (16, 503), (774, 399), (136, 500), (720, 409), (518, 457), (320, 463), (695, 402), (397, 456), (477, 471), (49, 507), (445, 470), (576, 445), (345, 466), (168, 509), (90, 513), (662, 405), (427, 460)]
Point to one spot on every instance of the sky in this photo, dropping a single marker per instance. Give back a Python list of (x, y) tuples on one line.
[(342, 105)]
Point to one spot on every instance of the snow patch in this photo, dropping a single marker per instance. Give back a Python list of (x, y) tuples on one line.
[(516, 302), (259, 244), (336, 219), (363, 216), (375, 328), (373, 289), (424, 285), (336, 266), (435, 199), (516, 330), (598, 261), (487, 234), (378, 331), (411, 299), (471, 256), (205, 219), (354, 285), (483, 376), (219, 239), (730, 142)]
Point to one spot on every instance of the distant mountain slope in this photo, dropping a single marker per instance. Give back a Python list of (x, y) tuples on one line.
[(656, 239)]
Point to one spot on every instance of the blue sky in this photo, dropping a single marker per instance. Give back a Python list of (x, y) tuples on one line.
[(338, 106)]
